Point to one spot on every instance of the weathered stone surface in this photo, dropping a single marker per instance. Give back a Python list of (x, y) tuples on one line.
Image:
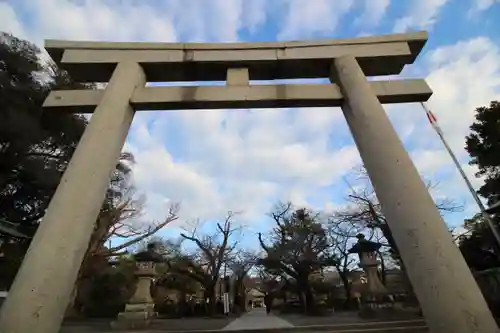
[(239, 96), (378, 55), (140, 308)]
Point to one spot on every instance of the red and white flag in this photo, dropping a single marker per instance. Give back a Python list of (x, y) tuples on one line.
[(432, 118)]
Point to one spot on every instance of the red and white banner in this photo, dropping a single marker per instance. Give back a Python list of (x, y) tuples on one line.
[(432, 119)]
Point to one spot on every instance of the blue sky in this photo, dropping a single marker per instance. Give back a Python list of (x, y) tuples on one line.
[(245, 160)]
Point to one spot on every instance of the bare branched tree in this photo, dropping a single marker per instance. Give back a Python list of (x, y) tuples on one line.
[(240, 265), (118, 218), (342, 236), (213, 250), (365, 212), (96, 257)]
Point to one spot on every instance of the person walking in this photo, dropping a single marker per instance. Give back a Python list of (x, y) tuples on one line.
[(268, 302)]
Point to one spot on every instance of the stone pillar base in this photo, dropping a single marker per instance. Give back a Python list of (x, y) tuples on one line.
[(134, 316)]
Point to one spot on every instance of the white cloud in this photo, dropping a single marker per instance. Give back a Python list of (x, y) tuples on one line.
[(464, 76), (306, 18), (422, 14), (95, 20), (216, 20), (430, 161), (244, 160), (482, 5), (9, 21), (374, 11), (131, 20), (255, 13), (256, 158)]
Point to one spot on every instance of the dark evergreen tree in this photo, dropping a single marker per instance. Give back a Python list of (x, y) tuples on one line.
[(35, 146), (478, 245), (483, 145)]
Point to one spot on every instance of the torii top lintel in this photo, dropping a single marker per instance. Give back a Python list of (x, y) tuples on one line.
[(95, 61)]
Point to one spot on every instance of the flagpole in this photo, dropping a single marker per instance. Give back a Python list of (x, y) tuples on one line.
[(432, 119)]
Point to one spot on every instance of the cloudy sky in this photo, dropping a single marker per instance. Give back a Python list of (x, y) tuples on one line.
[(245, 160)]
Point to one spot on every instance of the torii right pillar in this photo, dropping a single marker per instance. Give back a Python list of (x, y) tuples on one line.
[(449, 296)]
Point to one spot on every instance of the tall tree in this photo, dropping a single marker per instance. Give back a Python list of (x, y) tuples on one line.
[(117, 219), (240, 265), (483, 146), (298, 247), (213, 251), (477, 244), (35, 146), (341, 234)]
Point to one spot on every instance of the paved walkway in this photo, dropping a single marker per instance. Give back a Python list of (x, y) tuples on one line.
[(257, 319)]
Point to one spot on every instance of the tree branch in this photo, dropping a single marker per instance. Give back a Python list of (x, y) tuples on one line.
[(172, 216)]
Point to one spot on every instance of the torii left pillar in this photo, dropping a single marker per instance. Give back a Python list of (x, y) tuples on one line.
[(42, 289)]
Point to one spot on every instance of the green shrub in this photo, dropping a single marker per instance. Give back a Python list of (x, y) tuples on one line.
[(108, 293)]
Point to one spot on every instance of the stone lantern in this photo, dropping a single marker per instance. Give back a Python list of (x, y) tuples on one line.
[(140, 308), (367, 251)]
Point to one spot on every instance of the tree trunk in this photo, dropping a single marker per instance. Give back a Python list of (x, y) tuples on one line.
[(347, 289), (302, 300), (310, 304), (239, 289), (307, 295), (210, 295), (383, 272)]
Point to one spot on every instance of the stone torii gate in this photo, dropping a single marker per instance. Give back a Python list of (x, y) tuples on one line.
[(449, 296)]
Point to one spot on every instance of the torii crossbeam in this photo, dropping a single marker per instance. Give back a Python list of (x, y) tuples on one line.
[(448, 294)]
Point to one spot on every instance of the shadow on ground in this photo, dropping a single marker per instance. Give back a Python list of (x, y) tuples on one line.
[(173, 325)]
